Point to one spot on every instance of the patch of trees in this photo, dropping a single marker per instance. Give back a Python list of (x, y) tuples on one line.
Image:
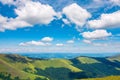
[(38, 78), (54, 73), (7, 76), (29, 70)]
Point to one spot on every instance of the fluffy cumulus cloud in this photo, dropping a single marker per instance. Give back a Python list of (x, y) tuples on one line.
[(28, 14), (76, 14), (97, 34), (40, 13), (13, 25), (2, 21), (47, 39), (106, 21)]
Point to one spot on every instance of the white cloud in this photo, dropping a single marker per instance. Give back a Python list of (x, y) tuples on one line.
[(96, 4), (11, 24), (59, 15), (100, 44), (66, 21), (97, 34), (48, 44), (94, 43), (40, 13), (70, 41), (7, 1), (2, 19), (59, 44), (14, 2), (76, 14), (22, 44), (87, 41), (43, 42), (106, 21), (35, 43), (28, 14), (47, 39)]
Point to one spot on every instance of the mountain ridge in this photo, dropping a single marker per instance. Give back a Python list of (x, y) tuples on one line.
[(58, 69)]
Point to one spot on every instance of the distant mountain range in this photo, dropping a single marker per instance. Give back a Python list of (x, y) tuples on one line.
[(66, 55), (16, 67)]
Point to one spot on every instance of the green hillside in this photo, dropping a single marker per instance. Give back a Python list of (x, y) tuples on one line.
[(96, 67), (9, 66), (16, 67), (104, 78), (26, 68), (87, 60)]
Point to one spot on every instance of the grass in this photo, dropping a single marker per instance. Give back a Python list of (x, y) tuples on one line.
[(115, 58), (55, 63), (26, 68), (87, 60), (17, 68), (104, 78)]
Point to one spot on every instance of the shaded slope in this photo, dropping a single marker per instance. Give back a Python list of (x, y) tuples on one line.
[(96, 67)]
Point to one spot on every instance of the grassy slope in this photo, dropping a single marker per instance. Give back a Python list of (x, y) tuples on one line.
[(114, 58), (98, 67), (55, 63), (7, 66), (104, 78), (87, 60), (16, 68)]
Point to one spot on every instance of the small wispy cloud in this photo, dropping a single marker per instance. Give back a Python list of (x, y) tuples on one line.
[(70, 41), (34, 43), (47, 39), (59, 44)]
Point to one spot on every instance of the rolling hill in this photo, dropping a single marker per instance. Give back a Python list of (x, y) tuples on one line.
[(16, 67)]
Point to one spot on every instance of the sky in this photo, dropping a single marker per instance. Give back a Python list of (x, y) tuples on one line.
[(59, 26)]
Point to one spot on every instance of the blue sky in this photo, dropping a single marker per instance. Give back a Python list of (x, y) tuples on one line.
[(60, 26)]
